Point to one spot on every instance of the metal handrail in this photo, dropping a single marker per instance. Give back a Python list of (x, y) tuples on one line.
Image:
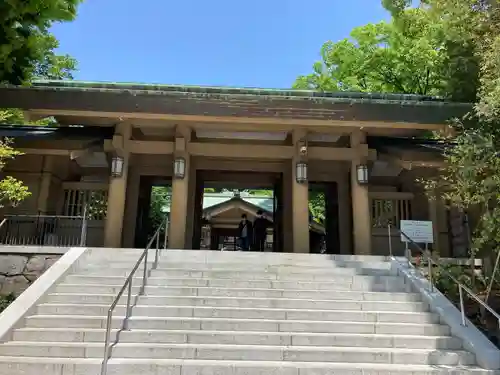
[(430, 261), (128, 285), (84, 218)]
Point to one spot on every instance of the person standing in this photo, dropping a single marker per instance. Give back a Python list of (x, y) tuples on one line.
[(260, 231), (245, 233)]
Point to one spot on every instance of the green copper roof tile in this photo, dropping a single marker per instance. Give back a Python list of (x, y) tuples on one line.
[(231, 92)]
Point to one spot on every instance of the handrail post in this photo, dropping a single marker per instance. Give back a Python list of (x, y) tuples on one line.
[(128, 310), (155, 265), (165, 239), (408, 253), (145, 273), (104, 367), (83, 234), (462, 307), (431, 281), (390, 238)]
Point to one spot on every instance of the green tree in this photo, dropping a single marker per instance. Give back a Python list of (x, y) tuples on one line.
[(26, 46), (391, 57), (12, 191), (27, 52), (161, 197), (262, 192), (317, 205), (471, 179), (412, 54)]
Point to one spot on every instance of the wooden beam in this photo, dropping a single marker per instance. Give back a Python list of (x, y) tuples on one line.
[(234, 151), (151, 147), (240, 151), (272, 121), (340, 154), (270, 152)]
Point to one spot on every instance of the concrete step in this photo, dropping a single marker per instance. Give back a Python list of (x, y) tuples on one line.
[(241, 353), (339, 314), (227, 324), (231, 292), (241, 270), (207, 256), (210, 291), (126, 366), (241, 338), (241, 276), (298, 273), (396, 285), (291, 303), (252, 259)]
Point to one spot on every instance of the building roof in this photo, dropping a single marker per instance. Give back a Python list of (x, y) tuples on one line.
[(214, 199), (211, 200), (185, 100), (55, 132), (151, 88)]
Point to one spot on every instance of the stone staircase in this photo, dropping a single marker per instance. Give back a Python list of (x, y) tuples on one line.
[(237, 314)]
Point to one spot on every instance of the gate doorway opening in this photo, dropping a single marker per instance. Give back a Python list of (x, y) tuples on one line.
[(324, 218), (155, 195), (223, 197)]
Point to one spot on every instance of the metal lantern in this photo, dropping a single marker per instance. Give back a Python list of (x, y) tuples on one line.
[(117, 164), (301, 172), (179, 168), (362, 174)]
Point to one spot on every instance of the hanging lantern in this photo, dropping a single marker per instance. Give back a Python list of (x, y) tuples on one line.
[(117, 163), (301, 172), (362, 174), (179, 168)]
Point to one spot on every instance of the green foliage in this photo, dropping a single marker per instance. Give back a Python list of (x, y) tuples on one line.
[(447, 286), (5, 301), (26, 58), (27, 52), (160, 199), (12, 191), (402, 57), (26, 46), (262, 193), (317, 205), (16, 117), (417, 52)]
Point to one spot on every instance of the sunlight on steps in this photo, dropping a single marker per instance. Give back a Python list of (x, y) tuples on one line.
[(237, 313)]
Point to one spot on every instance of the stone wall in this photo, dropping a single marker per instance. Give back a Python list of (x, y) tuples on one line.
[(19, 269)]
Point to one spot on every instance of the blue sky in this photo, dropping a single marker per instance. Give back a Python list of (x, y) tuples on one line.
[(253, 43)]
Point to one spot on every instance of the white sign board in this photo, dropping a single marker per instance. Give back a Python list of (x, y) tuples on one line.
[(417, 231)]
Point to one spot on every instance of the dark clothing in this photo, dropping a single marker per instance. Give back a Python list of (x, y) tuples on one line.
[(260, 232), (245, 240), (260, 227), (244, 243), (260, 243)]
